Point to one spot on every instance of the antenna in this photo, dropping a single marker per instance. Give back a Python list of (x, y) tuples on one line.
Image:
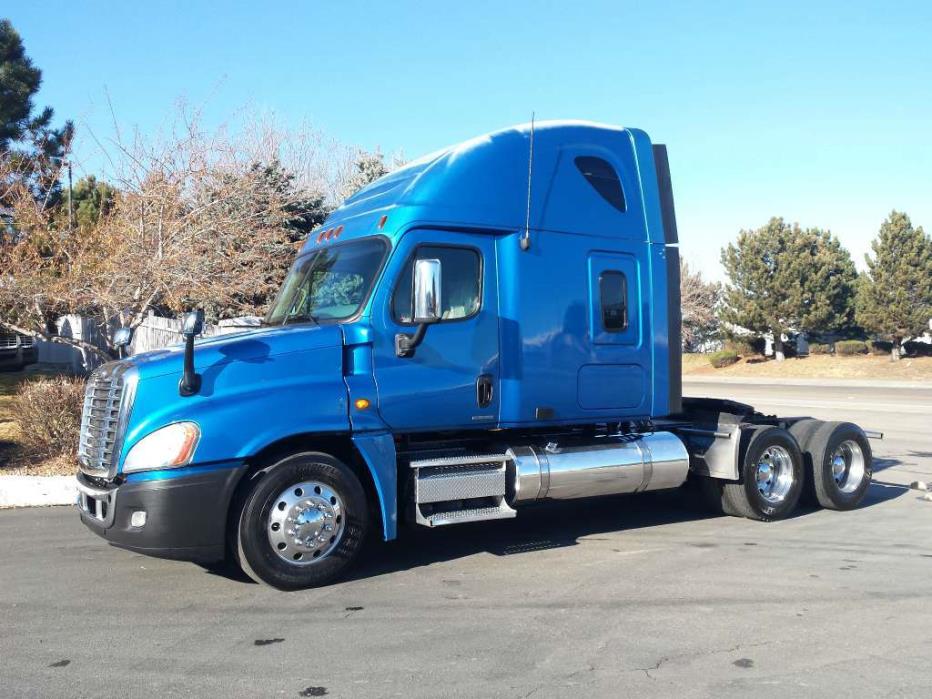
[(526, 238)]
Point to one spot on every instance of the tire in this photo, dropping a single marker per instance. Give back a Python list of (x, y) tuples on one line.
[(803, 431), (841, 465), (303, 524), (770, 450)]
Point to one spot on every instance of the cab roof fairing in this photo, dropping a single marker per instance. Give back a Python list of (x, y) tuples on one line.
[(482, 184)]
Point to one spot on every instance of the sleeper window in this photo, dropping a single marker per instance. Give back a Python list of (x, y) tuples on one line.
[(613, 295), (603, 178), (460, 290)]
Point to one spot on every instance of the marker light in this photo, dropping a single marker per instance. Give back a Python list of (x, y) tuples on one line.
[(320, 236), (169, 447), (361, 403), (383, 221), (337, 231)]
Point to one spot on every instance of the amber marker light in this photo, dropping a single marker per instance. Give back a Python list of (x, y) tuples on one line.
[(382, 222), (361, 403)]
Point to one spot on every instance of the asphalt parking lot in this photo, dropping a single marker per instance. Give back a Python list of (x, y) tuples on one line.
[(640, 595)]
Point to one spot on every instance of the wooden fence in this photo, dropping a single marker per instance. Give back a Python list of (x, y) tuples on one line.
[(153, 333)]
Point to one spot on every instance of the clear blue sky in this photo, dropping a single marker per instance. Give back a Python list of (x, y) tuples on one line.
[(817, 111)]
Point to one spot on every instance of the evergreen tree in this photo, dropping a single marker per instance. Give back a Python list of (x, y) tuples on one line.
[(91, 200), (895, 296), (19, 81), (782, 277), (367, 168), (27, 138)]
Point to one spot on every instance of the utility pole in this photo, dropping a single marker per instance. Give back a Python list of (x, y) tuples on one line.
[(70, 200)]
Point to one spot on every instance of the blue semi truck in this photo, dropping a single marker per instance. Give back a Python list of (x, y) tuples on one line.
[(493, 325)]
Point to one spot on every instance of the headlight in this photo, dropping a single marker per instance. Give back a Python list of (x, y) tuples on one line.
[(169, 447)]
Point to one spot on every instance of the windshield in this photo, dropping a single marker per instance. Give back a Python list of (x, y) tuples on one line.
[(328, 284)]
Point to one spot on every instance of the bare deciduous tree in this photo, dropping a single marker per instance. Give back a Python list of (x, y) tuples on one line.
[(699, 302), (202, 219)]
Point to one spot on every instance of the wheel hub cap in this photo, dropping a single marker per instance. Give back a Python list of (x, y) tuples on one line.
[(305, 523), (848, 466), (774, 474)]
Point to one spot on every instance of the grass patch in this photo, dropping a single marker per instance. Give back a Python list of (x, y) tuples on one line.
[(860, 366)]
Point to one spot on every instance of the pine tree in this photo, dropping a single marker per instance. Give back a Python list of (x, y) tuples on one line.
[(27, 139), (782, 277), (895, 296), (366, 168)]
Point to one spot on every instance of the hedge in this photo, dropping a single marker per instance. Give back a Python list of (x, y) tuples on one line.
[(850, 347), (723, 358)]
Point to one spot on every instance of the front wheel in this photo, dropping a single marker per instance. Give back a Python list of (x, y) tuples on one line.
[(303, 524)]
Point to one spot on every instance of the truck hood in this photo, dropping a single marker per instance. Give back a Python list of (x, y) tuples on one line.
[(253, 346), (257, 387)]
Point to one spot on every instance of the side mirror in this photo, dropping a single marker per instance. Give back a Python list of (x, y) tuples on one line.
[(427, 305), (427, 301), (122, 337), (193, 324)]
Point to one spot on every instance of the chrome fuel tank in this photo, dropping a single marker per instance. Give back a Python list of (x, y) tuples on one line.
[(624, 464)]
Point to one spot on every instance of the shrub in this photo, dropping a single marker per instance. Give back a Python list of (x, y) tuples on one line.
[(880, 347), (849, 348), (48, 411), (723, 358), (818, 348), (746, 347)]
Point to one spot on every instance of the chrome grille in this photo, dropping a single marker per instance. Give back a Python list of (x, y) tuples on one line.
[(8, 340), (106, 402)]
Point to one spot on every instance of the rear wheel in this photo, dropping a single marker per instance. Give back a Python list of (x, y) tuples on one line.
[(841, 465), (303, 524), (771, 477)]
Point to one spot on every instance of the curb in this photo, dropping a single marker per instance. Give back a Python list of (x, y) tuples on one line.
[(841, 383), (37, 491)]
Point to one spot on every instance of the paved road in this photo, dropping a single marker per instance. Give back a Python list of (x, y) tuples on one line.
[(639, 595)]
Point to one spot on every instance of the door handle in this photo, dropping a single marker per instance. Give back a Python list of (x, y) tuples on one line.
[(484, 390)]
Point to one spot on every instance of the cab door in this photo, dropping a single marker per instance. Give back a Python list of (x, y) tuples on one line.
[(451, 381)]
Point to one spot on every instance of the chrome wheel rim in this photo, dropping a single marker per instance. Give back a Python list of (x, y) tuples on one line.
[(774, 474), (848, 466), (306, 523)]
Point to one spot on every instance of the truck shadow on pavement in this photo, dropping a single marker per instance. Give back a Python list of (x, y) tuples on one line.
[(549, 525)]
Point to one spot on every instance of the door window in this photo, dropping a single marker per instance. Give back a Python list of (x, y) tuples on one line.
[(460, 286)]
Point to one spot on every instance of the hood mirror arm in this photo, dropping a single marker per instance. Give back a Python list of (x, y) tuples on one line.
[(193, 326)]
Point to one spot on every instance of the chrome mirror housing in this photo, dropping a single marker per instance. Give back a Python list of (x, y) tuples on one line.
[(193, 324), (427, 301)]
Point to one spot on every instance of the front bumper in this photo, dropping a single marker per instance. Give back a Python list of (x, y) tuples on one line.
[(186, 515)]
